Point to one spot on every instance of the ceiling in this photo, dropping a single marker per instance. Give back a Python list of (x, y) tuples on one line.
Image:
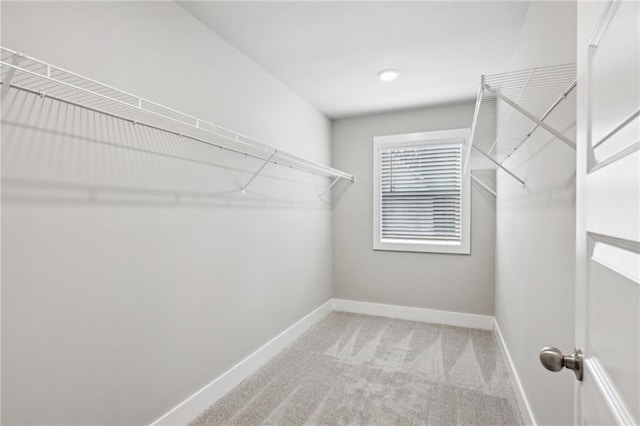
[(330, 52)]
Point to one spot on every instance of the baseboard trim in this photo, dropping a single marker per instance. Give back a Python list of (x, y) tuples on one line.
[(197, 403), (516, 384), (459, 319)]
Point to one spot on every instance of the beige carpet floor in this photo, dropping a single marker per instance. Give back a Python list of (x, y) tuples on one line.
[(363, 370)]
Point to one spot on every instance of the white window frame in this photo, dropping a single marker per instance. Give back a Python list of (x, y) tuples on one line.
[(419, 139)]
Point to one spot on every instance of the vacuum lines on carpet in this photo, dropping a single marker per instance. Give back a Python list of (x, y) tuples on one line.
[(352, 369)]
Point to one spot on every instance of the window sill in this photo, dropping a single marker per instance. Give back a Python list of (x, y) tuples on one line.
[(446, 247)]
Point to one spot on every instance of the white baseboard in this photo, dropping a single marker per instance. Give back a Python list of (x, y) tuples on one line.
[(197, 403), (459, 319), (516, 384)]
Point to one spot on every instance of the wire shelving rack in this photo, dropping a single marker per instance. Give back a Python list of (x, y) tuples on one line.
[(34, 76), (518, 103)]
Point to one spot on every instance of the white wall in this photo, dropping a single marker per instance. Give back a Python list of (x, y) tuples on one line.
[(459, 283), (133, 270), (535, 231)]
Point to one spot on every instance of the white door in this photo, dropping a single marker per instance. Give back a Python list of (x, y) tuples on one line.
[(608, 212)]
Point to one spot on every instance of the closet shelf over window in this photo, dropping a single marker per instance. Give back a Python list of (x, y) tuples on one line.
[(34, 76), (518, 104)]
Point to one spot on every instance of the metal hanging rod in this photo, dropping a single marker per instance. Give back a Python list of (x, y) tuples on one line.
[(535, 94), (24, 73)]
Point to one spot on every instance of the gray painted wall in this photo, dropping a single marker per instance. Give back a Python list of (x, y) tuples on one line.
[(535, 235), (133, 270), (460, 283)]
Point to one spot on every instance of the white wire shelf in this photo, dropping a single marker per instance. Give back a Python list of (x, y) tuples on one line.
[(24, 73), (516, 104)]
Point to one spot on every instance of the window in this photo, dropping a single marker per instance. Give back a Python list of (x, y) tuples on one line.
[(420, 196)]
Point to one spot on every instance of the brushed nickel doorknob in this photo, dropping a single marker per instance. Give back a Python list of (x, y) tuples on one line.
[(554, 360)]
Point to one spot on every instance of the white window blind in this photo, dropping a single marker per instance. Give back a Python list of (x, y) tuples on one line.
[(421, 192)]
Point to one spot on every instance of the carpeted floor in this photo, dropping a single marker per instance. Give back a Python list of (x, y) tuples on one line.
[(364, 370)]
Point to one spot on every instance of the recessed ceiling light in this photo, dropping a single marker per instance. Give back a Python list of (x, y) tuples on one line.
[(388, 74)]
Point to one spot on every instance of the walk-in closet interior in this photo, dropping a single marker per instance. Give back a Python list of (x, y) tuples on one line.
[(320, 212)]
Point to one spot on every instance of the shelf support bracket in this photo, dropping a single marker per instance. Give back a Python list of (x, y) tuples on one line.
[(530, 116), (6, 84), (499, 165), (482, 184), (544, 116), (506, 120), (267, 161), (329, 187)]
